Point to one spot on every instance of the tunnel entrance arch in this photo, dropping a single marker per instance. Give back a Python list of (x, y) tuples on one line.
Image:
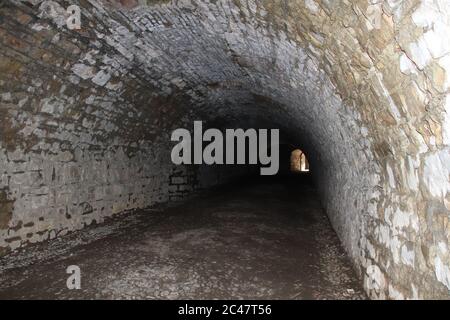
[(299, 161), (370, 100)]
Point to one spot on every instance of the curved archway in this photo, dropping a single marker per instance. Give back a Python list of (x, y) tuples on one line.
[(361, 87)]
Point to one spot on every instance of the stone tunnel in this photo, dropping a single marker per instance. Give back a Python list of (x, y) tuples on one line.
[(362, 87)]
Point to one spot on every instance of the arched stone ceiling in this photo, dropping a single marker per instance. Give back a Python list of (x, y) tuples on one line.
[(362, 87)]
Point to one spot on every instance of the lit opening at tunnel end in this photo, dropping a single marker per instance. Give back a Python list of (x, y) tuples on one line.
[(299, 162), (227, 149)]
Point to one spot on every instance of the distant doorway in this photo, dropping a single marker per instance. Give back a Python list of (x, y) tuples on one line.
[(299, 162)]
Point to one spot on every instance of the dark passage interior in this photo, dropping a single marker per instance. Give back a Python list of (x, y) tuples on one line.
[(359, 91), (265, 238)]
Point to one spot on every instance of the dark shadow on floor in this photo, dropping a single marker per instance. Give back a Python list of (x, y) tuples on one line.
[(265, 238)]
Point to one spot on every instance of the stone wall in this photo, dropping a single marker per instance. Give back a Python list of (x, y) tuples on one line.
[(83, 135), (361, 85)]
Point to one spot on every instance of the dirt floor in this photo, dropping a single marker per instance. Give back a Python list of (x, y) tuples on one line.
[(257, 240)]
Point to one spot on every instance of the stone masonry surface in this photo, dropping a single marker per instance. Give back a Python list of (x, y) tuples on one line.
[(363, 86)]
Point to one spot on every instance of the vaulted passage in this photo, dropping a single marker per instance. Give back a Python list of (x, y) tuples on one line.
[(86, 117)]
